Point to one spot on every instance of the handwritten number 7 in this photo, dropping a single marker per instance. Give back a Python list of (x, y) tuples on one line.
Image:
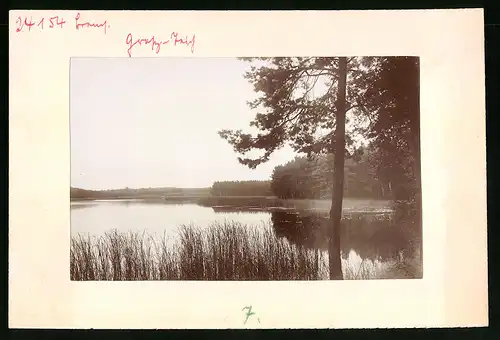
[(249, 313)]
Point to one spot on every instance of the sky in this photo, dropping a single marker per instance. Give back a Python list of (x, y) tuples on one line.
[(153, 122)]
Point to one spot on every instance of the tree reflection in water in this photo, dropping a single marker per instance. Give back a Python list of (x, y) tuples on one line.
[(373, 237)]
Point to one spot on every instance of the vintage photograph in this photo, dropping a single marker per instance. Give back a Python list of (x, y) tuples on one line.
[(263, 169)]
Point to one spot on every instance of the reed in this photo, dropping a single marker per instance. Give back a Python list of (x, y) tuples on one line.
[(221, 251)]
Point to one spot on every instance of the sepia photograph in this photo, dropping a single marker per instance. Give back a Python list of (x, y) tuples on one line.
[(245, 169), (193, 170)]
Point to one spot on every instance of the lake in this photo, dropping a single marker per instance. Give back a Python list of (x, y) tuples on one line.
[(369, 237)]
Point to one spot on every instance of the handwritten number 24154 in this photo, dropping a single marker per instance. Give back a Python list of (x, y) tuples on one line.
[(51, 22)]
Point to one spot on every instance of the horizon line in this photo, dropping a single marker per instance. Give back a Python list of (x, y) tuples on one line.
[(168, 187)]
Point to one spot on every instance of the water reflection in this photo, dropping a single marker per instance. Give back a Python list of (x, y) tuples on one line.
[(82, 205), (370, 234), (373, 237), (238, 210)]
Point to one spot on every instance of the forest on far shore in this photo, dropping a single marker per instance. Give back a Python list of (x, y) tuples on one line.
[(300, 178), (78, 193), (303, 178)]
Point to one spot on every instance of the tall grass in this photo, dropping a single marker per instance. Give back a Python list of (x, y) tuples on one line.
[(222, 251)]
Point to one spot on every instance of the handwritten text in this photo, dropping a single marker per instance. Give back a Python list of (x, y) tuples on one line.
[(249, 313), (79, 25), (27, 24), (156, 44)]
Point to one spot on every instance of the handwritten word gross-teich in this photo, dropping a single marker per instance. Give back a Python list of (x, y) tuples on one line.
[(156, 44)]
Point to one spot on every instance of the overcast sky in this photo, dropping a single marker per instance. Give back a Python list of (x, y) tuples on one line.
[(153, 122)]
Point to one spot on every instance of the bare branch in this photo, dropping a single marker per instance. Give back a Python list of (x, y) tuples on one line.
[(312, 87), (329, 73)]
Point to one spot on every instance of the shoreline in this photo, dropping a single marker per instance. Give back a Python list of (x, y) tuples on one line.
[(256, 203)]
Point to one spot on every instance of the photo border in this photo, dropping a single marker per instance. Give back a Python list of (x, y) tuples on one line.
[(453, 291)]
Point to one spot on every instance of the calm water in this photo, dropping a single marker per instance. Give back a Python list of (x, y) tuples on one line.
[(98, 217), (371, 240)]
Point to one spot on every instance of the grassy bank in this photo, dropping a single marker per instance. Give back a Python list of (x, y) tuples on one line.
[(228, 251)]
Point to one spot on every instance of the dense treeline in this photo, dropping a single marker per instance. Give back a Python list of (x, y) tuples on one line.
[(241, 188), (312, 178), (303, 178), (77, 193)]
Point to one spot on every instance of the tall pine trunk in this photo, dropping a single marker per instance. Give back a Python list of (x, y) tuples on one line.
[(338, 142)]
